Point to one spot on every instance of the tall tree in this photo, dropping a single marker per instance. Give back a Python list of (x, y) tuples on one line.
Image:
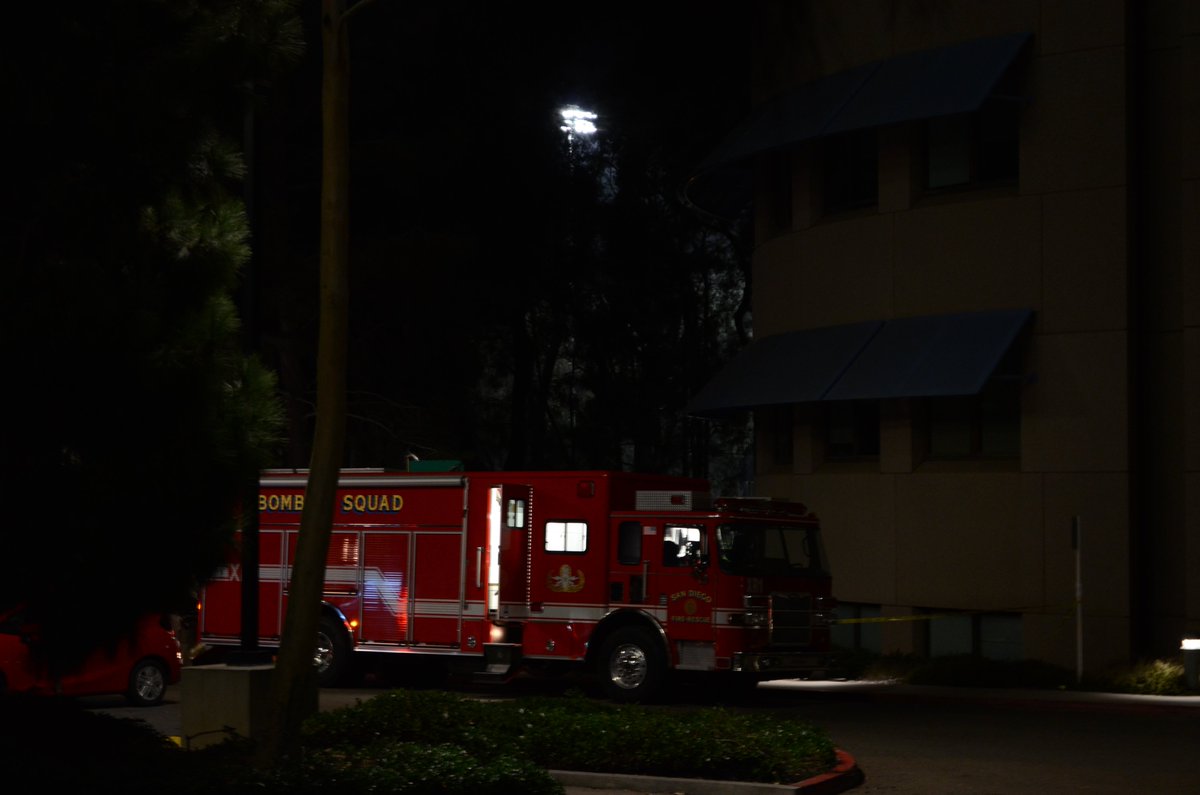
[(294, 685), (124, 237)]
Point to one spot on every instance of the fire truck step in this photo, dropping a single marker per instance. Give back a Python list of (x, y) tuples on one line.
[(500, 660)]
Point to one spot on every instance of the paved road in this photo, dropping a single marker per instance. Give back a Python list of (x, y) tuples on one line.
[(946, 741), (950, 741)]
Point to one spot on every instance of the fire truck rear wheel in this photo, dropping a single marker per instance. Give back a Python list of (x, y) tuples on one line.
[(332, 655), (632, 665)]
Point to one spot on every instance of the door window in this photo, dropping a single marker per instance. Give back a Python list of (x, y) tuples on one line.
[(682, 545)]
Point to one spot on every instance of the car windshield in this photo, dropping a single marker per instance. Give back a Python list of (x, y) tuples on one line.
[(754, 549)]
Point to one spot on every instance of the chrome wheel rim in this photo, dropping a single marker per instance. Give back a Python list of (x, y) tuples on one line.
[(323, 656), (628, 666), (150, 683)]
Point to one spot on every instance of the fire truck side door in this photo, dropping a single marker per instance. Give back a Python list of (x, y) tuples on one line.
[(678, 578), (635, 543), (510, 540)]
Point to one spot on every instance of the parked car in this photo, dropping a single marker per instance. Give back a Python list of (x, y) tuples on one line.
[(139, 666)]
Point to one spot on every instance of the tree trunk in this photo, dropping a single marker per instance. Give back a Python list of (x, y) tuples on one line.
[(294, 681)]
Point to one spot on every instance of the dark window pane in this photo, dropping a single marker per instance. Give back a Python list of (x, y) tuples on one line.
[(629, 543), (987, 425), (850, 166), (781, 435), (851, 429)]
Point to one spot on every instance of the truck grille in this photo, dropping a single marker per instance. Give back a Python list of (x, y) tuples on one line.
[(791, 619)]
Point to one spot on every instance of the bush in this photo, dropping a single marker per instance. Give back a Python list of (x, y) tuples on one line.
[(424, 742), (1147, 677), (576, 733), (411, 768), (889, 667)]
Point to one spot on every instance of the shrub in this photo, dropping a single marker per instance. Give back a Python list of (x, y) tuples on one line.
[(889, 667), (576, 733), (410, 768), (1147, 677), (426, 742)]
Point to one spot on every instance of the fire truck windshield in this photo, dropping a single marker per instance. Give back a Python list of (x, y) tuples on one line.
[(754, 549)]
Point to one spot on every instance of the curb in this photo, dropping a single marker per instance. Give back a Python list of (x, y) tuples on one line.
[(844, 776)]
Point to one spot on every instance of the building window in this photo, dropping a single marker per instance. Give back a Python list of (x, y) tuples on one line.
[(987, 425), (855, 633), (850, 170), (775, 436), (566, 536), (975, 149), (851, 430), (779, 193), (992, 636)]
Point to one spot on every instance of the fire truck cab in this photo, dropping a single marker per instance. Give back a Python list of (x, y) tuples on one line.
[(632, 576)]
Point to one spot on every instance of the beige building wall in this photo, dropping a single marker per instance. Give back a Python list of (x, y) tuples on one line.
[(1110, 427)]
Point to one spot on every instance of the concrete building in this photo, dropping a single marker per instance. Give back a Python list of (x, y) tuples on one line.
[(976, 295)]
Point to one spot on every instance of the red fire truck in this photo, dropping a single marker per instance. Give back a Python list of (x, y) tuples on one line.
[(631, 575)]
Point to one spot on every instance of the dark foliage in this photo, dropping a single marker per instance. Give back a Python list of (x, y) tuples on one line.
[(426, 743), (136, 418), (517, 300)]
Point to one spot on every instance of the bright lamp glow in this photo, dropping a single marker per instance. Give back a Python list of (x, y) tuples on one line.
[(577, 121), (1190, 644)]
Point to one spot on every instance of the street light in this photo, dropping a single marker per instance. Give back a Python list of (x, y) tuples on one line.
[(577, 121)]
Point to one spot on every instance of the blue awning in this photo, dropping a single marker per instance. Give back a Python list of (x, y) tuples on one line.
[(929, 84), (796, 367), (919, 85), (913, 86), (929, 356), (805, 113)]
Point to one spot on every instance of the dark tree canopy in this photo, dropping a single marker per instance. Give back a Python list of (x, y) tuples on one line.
[(134, 415), (517, 302)]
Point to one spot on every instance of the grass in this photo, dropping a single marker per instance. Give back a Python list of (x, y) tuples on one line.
[(420, 741)]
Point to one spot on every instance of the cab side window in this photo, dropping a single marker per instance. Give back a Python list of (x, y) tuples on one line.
[(682, 545)]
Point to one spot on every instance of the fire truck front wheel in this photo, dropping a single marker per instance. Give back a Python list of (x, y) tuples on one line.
[(632, 665), (332, 655)]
